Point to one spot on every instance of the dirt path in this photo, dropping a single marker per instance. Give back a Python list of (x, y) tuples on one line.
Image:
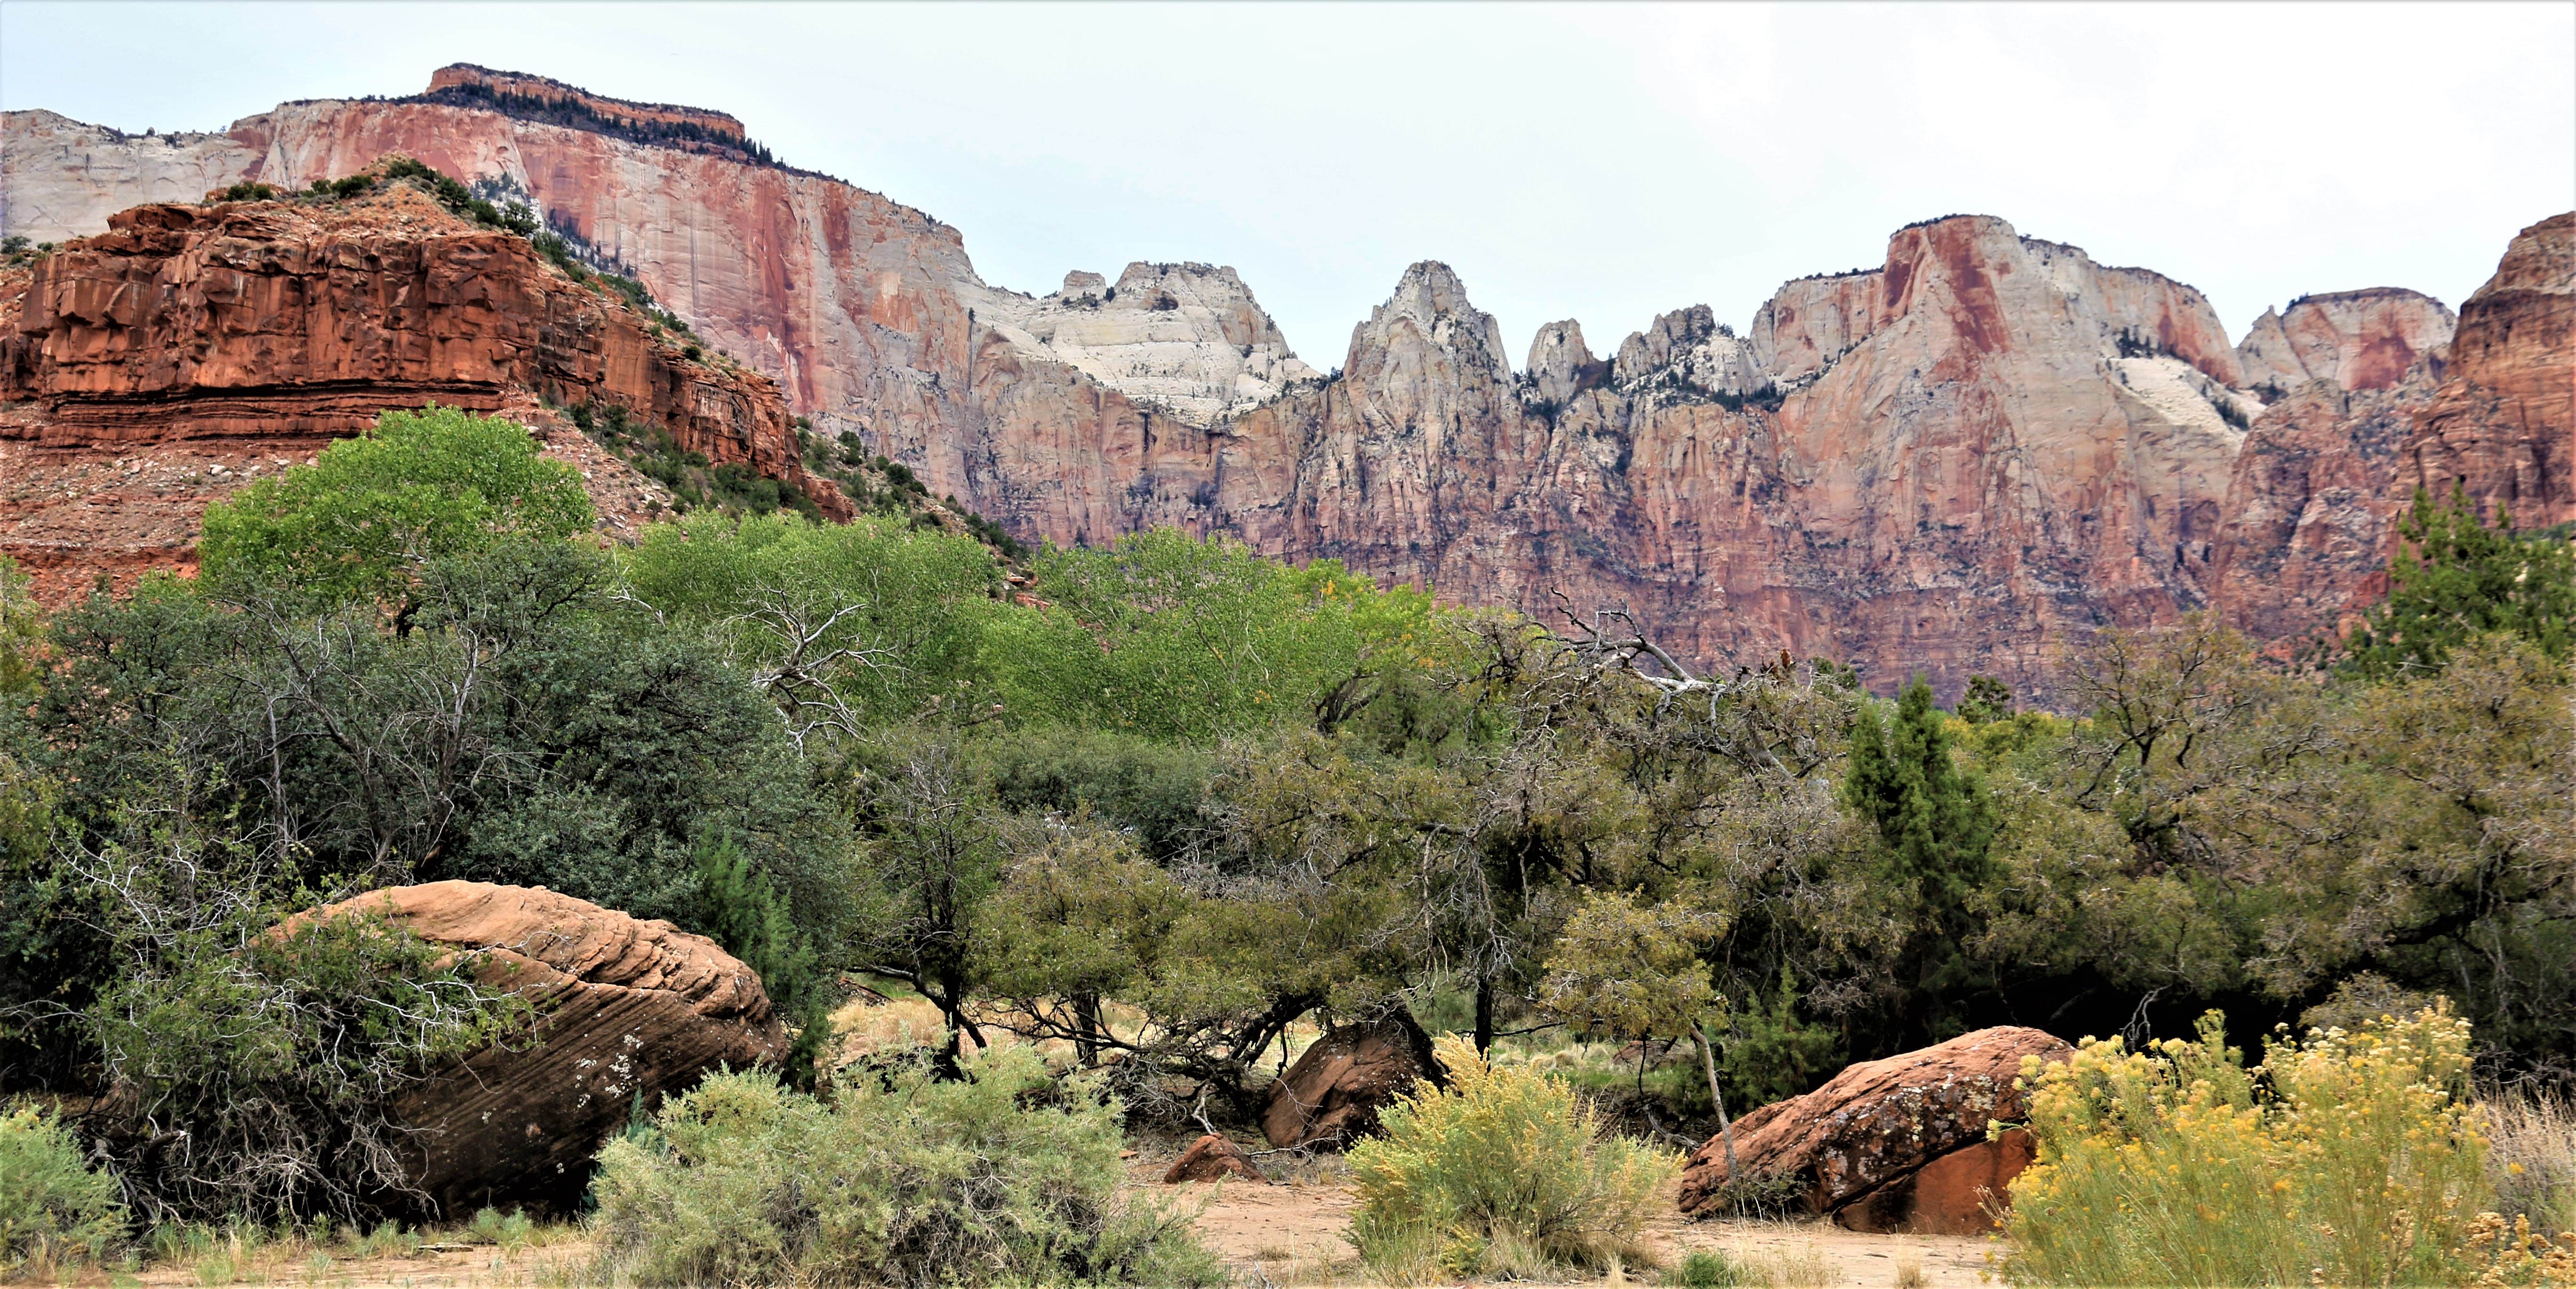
[(1290, 1233)]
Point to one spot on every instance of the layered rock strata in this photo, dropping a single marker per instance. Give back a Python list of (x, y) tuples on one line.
[(2503, 425), (250, 333), (627, 1009), (2389, 400), (1968, 458)]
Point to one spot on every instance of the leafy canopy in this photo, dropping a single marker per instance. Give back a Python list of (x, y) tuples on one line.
[(2458, 577), (1166, 635), (354, 524)]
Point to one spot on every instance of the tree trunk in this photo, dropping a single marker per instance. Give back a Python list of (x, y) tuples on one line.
[(1725, 1127), (1087, 1029), (1484, 1015)]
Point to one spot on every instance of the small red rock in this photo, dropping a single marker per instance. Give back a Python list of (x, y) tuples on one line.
[(1209, 1159)]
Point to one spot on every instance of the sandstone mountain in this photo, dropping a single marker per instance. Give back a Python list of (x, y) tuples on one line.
[(1984, 449), (150, 368)]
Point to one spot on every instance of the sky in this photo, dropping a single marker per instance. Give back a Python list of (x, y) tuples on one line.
[(1600, 162)]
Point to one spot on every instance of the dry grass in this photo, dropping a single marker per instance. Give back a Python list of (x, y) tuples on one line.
[(2531, 1157), (248, 1253), (1909, 1270), (1805, 1267)]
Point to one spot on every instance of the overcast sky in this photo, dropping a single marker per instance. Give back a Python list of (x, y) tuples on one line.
[(1595, 162)]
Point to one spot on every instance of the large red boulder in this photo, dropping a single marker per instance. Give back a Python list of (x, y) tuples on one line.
[(1878, 1122), (1333, 1092), (628, 1008)]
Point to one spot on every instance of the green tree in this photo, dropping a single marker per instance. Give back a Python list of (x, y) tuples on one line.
[(846, 627), (742, 911), (1177, 638), (1634, 970), (1987, 700), (2456, 577), (359, 522), (1935, 823), (22, 634)]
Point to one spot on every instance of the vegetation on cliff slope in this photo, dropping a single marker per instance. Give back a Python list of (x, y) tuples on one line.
[(1168, 800)]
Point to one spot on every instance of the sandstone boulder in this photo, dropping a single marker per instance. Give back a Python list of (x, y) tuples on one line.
[(1212, 1159), (1952, 1195), (629, 1009), (1334, 1091), (1878, 1122)]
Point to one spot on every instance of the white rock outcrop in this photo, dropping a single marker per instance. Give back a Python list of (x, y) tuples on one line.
[(1188, 338)]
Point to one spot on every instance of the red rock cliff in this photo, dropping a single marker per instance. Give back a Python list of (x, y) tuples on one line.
[(1965, 459), (2382, 397), (2504, 424), (273, 326)]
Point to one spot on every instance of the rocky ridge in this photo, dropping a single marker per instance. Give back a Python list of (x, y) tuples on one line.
[(151, 368), (1966, 458)]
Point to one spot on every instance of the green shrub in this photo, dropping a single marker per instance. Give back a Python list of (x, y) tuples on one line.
[(1000, 1176), (2347, 1159), (1505, 1172), (54, 1211), (1709, 1270), (360, 520)]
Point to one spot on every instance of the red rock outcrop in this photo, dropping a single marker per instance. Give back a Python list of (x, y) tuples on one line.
[(2504, 425), (2328, 470), (1965, 459), (627, 1008), (1332, 1094), (1877, 1122), (482, 84), (1212, 1158), (257, 331), (2311, 503)]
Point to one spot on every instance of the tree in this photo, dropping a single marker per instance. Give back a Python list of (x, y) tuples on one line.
[(2458, 577), (1986, 701), (1628, 969), (1935, 823), (358, 522), (937, 849), (22, 634), (844, 626), (742, 911), (1177, 638)]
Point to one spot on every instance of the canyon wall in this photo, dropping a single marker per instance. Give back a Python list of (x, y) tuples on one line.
[(238, 337), (1980, 451)]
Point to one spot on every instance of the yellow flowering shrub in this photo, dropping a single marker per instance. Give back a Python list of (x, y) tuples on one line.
[(2343, 1159), (1505, 1173)]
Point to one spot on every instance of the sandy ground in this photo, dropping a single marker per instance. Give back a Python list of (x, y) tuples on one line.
[(1290, 1233), (1287, 1233)]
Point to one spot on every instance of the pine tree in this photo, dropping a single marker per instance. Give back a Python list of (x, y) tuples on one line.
[(2457, 577), (1935, 824), (743, 912)]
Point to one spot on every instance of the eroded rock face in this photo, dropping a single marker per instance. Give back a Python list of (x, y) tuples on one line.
[(2328, 471), (1333, 1092), (257, 331), (2359, 340), (1187, 338), (1981, 450), (1877, 1122), (630, 1008), (2504, 425)]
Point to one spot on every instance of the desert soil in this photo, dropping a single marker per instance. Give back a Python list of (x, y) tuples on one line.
[(1290, 1233), (1287, 1233)]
